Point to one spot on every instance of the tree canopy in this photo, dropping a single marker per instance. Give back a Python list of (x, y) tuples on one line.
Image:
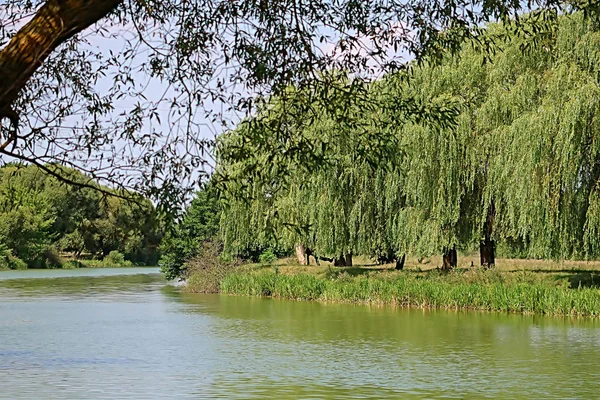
[(75, 73), (516, 165)]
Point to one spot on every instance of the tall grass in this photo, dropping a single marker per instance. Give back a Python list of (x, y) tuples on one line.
[(490, 290)]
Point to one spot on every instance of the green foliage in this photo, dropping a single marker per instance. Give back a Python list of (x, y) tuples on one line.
[(267, 257), (73, 264), (40, 217), (506, 150), (199, 223), (115, 257), (247, 49)]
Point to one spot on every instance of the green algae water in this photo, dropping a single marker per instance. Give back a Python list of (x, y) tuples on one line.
[(128, 334)]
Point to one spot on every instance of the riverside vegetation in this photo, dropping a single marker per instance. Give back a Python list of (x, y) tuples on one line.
[(509, 169), (47, 224), (569, 292)]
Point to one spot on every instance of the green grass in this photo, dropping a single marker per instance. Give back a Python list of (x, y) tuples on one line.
[(104, 264), (493, 290)]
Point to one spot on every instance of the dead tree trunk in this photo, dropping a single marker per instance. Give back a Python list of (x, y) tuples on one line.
[(301, 254)]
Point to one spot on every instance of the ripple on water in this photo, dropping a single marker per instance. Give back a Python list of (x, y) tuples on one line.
[(132, 337)]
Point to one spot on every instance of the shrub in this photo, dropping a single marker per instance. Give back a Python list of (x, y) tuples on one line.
[(208, 269), (114, 258), (73, 264), (52, 259), (16, 263), (267, 257), (8, 260)]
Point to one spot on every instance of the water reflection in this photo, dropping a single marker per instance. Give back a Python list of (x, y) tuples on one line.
[(135, 336)]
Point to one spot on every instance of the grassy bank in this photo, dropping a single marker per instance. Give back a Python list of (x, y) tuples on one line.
[(493, 290)]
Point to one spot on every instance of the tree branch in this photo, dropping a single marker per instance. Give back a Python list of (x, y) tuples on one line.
[(53, 24)]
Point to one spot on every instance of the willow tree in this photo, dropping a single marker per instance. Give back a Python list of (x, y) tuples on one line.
[(520, 166), (334, 209), (541, 120), (515, 163)]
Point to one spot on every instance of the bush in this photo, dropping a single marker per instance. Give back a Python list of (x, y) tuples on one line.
[(114, 258), (8, 260), (16, 263), (267, 257), (207, 270), (52, 259)]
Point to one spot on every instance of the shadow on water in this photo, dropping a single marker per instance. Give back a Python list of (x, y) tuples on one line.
[(82, 286)]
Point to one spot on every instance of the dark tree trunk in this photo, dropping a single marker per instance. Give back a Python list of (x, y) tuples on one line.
[(487, 253), (348, 260), (400, 262), (449, 259), (487, 247), (340, 261), (309, 253)]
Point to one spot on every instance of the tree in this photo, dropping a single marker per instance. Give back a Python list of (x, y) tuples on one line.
[(199, 224), (60, 91)]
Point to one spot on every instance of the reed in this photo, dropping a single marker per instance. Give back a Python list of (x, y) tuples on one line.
[(478, 290)]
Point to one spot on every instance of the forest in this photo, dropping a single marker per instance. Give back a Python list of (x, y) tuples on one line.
[(506, 162), (47, 224)]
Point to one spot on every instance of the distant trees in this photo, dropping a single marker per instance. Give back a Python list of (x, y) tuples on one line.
[(41, 217)]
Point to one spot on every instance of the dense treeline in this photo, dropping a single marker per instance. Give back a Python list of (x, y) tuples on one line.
[(44, 223), (505, 158), (515, 168)]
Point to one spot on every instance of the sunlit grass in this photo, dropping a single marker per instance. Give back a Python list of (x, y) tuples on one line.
[(489, 290)]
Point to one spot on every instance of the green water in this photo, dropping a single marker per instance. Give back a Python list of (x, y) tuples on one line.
[(108, 335)]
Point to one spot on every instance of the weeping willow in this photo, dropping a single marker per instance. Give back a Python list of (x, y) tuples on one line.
[(516, 162)]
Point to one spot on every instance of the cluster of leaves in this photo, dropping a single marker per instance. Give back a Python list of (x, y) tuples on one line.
[(41, 217), (507, 149)]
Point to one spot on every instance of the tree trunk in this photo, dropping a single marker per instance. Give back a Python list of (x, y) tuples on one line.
[(340, 261), (301, 254), (54, 23), (309, 253), (400, 262), (348, 260), (449, 259), (487, 252), (487, 247)]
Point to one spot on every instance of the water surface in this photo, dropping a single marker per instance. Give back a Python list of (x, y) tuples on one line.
[(110, 335)]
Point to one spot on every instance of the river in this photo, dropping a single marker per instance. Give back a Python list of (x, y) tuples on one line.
[(128, 334)]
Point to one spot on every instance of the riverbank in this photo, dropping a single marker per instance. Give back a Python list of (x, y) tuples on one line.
[(572, 293)]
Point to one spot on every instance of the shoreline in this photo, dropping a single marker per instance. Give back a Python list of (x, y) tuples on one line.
[(522, 292)]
